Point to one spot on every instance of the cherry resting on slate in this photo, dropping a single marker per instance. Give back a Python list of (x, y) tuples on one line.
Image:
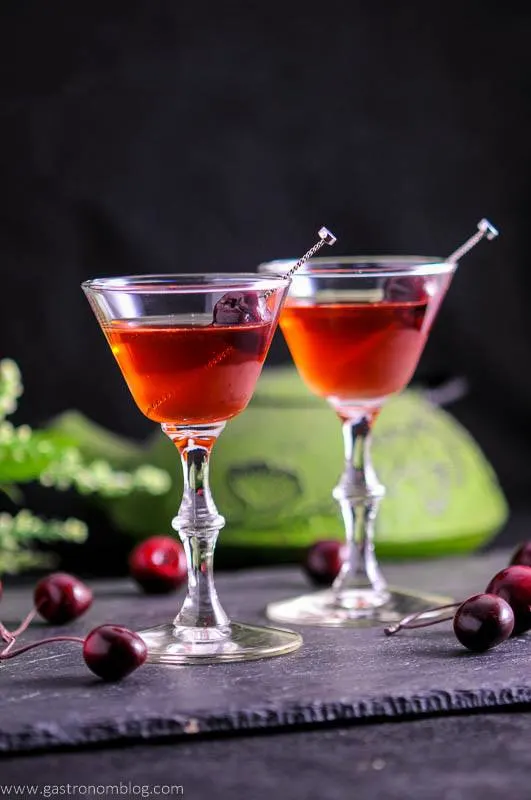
[(110, 651), (480, 622), (239, 308), (58, 598), (158, 564), (522, 555), (61, 598), (323, 561), (483, 621), (513, 584)]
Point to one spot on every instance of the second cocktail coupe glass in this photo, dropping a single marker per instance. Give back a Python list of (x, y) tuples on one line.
[(191, 348), (356, 328)]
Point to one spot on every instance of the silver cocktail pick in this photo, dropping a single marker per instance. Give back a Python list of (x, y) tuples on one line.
[(486, 230), (325, 237)]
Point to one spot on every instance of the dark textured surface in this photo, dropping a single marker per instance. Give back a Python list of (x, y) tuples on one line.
[(49, 699), (454, 758)]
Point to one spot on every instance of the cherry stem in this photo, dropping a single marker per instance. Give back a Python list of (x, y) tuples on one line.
[(412, 620), (10, 636), (8, 653), (6, 635), (8, 646), (25, 623)]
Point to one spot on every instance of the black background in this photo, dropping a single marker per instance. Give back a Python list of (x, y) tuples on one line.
[(163, 136)]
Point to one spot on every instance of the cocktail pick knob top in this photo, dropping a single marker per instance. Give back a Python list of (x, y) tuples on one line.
[(325, 237), (486, 230), (490, 231)]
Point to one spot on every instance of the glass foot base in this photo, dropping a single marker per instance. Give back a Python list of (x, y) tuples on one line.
[(355, 610), (169, 645)]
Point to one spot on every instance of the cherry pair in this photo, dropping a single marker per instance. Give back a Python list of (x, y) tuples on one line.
[(487, 619), (109, 651), (480, 622)]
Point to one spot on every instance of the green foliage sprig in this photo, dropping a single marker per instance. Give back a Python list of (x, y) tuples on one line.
[(51, 457)]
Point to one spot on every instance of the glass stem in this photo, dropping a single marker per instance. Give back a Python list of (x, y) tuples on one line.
[(198, 524), (359, 494)]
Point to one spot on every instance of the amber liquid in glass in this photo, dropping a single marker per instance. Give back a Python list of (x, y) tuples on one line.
[(355, 351), (184, 371)]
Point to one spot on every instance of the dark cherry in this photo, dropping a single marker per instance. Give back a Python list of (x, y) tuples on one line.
[(112, 652), (61, 598), (405, 289), (513, 584), (323, 561), (522, 555), (158, 564), (238, 308), (483, 621)]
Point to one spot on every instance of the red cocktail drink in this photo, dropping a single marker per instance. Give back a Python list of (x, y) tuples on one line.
[(355, 351), (187, 372)]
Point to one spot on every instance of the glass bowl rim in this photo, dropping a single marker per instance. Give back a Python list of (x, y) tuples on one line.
[(369, 266), (186, 282)]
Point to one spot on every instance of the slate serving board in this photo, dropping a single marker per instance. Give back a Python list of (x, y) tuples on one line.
[(48, 699)]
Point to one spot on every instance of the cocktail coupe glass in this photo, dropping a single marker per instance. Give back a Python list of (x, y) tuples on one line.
[(192, 372), (356, 328)]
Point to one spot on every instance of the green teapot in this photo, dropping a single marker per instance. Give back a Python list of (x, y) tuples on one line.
[(274, 467)]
